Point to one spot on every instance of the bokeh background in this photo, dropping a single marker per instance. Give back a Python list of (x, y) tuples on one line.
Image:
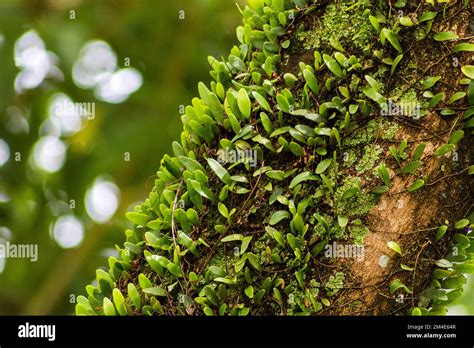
[(66, 180)]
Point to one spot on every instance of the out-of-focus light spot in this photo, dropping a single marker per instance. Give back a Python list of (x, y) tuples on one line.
[(4, 198), (2, 264), (26, 41), (102, 200), (2, 40), (62, 116), (4, 152), (36, 63), (96, 61), (58, 207), (96, 68), (109, 252), (49, 154), (17, 120), (5, 235), (457, 310), (119, 86), (68, 231)]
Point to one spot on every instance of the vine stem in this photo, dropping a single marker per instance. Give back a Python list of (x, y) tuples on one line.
[(173, 226)]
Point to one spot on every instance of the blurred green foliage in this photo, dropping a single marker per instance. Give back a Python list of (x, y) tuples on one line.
[(168, 43)]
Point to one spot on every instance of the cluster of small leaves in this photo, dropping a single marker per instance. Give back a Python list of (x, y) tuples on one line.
[(449, 277), (242, 210)]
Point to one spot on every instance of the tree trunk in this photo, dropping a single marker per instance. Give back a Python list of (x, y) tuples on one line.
[(350, 81)]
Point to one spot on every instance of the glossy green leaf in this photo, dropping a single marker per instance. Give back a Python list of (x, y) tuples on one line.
[(435, 294), (456, 137), (311, 81), (134, 295), (232, 238), (220, 171), (416, 185), (411, 167), (468, 70), (174, 270), (243, 103), (465, 267), (109, 309), (384, 175), (191, 164), (445, 36), (436, 99), (217, 271), (276, 235), (342, 221), (419, 151), (375, 23), (349, 193), (301, 178), (444, 149), (461, 224), (336, 44), (406, 22), (328, 183), (278, 216), (395, 63), (464, 47), (395, 247), (283, 103), (137, 218), (262, 101), (249, 291), (333, 65), (297, 149), (456, 96), (430, 82), (155, 291), (223, 209), (254, 261), (275, 174), (371, 93), (392, 37), (443, 263), (119, 301), (427, 16), (397, 284), (323, 165), (441, 232)]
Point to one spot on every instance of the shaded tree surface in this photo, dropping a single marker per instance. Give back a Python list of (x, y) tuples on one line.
[(355, 119)]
